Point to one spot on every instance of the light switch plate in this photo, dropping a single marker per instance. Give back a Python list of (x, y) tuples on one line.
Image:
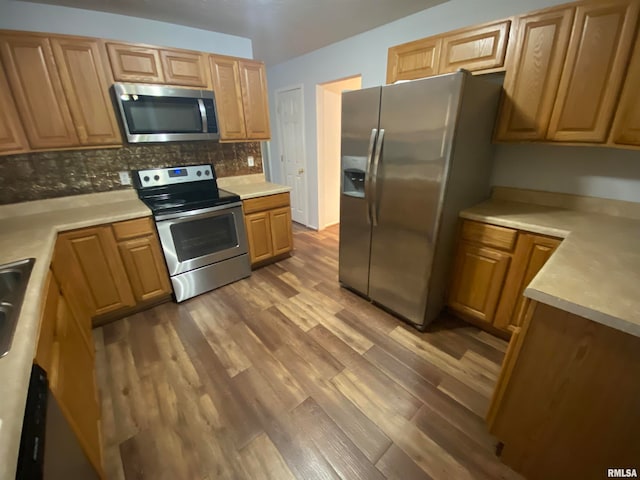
[(125, 178), (250, 161)]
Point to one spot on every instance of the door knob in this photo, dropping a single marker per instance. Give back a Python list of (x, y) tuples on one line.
[(301, 171)]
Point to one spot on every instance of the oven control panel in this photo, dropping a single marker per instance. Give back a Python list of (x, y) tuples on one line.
[(169, 176)]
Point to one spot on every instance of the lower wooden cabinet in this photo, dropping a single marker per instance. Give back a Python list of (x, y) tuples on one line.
[(532, 252), (268, 224), (479, 275), (143, 259), (67, 355), (111, 269), (492, 267), (95, 251)]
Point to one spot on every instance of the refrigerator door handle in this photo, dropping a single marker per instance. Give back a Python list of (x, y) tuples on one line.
[(374, 179), (367, 174)]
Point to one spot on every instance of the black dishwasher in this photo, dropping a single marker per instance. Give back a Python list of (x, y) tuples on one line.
[(31, 456), (44, 422)]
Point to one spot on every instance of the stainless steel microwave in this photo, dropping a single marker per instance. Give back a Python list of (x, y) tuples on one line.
[(158, 113)]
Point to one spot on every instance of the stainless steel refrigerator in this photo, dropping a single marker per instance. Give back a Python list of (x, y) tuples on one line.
[(412, 156)]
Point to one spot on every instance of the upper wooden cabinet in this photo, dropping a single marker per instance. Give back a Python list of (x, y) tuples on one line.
[(626, 127), (226, 85), (38, 92), (80, 63), (477, 48), (413, 60), (481, 47), (146, 64), (533, 74), (253, 80), (12, 137), (241, 98), (185, 68), (594, 70), (130, 63)]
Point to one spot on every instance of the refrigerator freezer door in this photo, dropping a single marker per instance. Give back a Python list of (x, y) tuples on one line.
[(419, 120), (360, 114)]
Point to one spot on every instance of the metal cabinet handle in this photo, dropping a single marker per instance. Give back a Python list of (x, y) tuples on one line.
[(374, 179)]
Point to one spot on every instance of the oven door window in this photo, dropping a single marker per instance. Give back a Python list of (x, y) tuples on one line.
[(148, 115), (197, 238)]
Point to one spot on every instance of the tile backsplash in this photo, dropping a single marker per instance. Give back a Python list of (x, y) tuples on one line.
[(36, 176)]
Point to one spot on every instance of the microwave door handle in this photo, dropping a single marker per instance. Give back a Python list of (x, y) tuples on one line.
[(203, 115)]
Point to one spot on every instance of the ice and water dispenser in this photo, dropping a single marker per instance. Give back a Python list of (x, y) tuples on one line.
[(353, 175)]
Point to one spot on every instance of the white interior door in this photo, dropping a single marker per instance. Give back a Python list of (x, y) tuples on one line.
[(292, 158)]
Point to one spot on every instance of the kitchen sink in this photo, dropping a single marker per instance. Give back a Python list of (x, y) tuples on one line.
[(14, 278)]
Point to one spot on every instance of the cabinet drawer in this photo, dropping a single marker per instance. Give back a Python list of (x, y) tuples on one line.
[(137, 227), (489, 235), (266, 203)]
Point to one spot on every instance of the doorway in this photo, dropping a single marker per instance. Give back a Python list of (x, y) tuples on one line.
[(329, 110), (290, 110)]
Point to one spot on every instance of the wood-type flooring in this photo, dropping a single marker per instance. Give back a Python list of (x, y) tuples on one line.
[(285, 375)]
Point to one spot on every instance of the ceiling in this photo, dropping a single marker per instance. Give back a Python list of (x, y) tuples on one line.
[(279, 29)]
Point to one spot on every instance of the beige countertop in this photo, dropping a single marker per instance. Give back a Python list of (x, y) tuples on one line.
[(251, 186), (29, 230), (594, 273)]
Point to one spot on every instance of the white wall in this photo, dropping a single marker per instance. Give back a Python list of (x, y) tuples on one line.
[(329, 107), (37, 17), (592, 171), (366, 54)]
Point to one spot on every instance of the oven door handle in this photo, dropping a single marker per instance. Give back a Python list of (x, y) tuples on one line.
[(191, 213)]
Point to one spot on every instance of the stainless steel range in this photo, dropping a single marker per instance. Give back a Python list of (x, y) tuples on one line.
[(201, 227)]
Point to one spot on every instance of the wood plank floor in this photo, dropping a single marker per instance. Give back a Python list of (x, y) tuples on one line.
[(285, 375)]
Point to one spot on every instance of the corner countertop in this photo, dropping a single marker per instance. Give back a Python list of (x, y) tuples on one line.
[(251, 186), (29, 230), (594, 273)]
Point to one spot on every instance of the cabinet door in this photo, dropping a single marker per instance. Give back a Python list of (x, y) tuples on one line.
[(85, 83), (259, 236), (185, 68), (281, 230), (478, 278), (144, 264), (130, 63), (226, 86), (626, 127), (253, 81), (476, 48), (532, 252), (73, 384), (533, 74), (596, 63), (413, 60), (12, 137), (37, 90), (95, 251), (48, 324)]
